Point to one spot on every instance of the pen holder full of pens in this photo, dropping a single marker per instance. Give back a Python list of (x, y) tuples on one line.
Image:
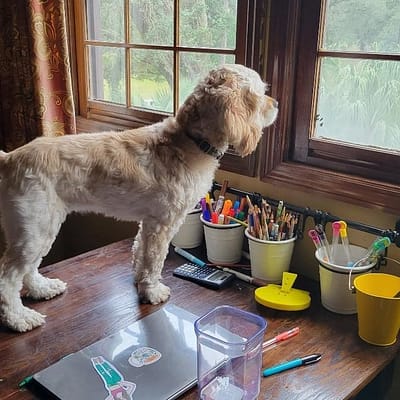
[(224, 242), (334, 279), (229, 354), (269, 259), (190, 234)]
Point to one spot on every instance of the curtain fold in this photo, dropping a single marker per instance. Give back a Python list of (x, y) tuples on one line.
[(35, 81)]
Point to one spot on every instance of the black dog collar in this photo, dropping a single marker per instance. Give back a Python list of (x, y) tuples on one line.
[(206, 147)]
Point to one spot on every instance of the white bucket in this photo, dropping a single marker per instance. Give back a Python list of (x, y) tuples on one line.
[(190, 233), (269, 259), (334, 280), (223, 242)]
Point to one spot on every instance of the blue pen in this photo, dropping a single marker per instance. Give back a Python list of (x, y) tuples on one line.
[(297, 362), (190, 257)]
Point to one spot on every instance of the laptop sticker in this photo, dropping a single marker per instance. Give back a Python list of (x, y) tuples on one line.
[(144, 356), (114, 382)]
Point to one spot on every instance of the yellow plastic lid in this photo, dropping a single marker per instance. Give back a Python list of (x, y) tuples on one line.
[(283, 297)]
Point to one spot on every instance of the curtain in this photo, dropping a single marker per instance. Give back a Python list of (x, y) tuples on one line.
[(35, 80)]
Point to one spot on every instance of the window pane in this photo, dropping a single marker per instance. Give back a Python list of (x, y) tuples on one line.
[(107, 74), (359, 102), (152, 79), (152, 22), (362, 25), (194, 66), (102, 24), (208, 23)]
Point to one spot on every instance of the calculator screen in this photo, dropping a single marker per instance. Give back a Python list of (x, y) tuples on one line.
[(217, 276)]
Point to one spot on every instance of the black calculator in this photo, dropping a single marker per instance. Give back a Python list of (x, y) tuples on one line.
[(210, 277)]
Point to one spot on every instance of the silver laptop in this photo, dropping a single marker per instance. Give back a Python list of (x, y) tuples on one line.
[(154, 358)]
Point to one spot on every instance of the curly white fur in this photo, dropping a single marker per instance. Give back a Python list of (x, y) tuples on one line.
[(153, 175)]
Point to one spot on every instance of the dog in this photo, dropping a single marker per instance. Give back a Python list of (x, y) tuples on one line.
[(153, 175)]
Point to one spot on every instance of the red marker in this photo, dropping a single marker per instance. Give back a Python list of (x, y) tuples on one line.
[(282, 336)]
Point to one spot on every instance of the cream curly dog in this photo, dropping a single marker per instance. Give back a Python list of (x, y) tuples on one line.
[(153, 175)]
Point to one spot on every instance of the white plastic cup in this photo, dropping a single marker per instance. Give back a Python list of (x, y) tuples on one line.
[(334, 280), (269, 259), (190, 234), (224, 242)]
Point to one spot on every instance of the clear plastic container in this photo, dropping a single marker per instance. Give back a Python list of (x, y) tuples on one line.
[(229, 354)]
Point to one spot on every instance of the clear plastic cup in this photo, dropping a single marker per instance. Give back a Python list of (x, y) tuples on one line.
[(229, 354)]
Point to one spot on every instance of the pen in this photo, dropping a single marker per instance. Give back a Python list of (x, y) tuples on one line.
[(189, 257), (297, 362), (282, 336), (246, 278)]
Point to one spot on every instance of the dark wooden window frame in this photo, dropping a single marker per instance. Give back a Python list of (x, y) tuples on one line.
[(290, 157), (250, 30)]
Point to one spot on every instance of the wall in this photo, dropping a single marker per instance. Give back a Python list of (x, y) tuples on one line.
[(303, 258)]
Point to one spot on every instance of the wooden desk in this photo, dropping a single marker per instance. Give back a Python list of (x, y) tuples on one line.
[(101, 299)]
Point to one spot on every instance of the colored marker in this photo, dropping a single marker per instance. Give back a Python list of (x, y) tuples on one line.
[(25, 381), (297, 362), (322, 251), (189, 257), (335, 240), (322, 235), (282, 336), (345, 242)]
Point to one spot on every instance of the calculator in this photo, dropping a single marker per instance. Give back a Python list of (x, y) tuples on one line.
[(210, 277)]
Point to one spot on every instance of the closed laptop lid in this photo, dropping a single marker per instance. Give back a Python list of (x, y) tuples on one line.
[(154, 358)]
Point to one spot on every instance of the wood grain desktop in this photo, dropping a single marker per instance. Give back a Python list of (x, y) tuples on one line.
[(101, 299)]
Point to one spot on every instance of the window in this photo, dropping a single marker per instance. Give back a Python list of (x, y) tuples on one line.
[(335, 69), (139, 59)]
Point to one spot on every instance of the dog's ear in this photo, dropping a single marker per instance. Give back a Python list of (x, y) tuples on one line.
[(242, 122)]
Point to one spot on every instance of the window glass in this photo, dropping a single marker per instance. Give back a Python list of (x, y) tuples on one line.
[(362, 25), (152, 79), (105, 20), (107, 74), (208, 23), (152, 22), (359, 102)]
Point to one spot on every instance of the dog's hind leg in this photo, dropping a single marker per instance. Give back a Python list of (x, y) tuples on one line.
[(30, 228), (149, 252)]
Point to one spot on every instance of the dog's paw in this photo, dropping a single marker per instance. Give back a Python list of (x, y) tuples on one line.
[(153, 294), (47, 289), (23, 320)]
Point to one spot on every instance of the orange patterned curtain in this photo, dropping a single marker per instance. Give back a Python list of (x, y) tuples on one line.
[(35, 80)]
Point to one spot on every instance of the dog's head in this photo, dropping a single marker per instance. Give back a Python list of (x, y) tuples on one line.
[(229, 107)]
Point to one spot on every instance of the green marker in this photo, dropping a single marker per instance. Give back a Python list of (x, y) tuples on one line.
[(25, 381)]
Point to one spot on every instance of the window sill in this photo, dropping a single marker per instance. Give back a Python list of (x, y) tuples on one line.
[(352, 189)]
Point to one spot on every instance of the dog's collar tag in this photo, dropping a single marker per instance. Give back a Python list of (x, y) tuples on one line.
[(206, 147)]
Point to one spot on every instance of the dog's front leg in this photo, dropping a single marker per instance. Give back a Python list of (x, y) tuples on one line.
[(149, 252)]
